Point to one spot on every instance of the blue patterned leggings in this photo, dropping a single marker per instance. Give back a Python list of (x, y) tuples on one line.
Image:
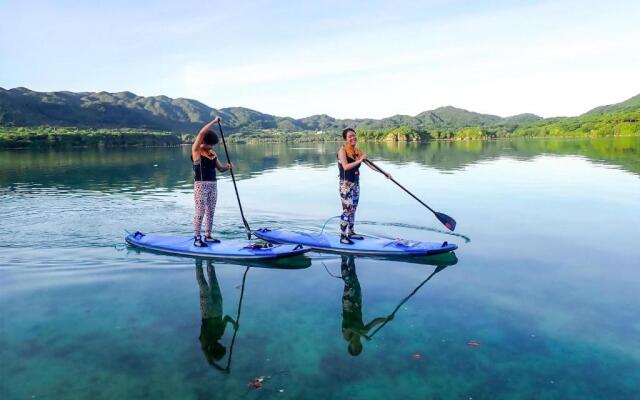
[(349, 196)]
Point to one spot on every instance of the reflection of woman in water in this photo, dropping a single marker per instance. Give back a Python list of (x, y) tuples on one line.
[(213, 324), (352, 324)]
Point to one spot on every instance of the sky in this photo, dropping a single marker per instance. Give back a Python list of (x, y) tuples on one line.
[(355, 59)]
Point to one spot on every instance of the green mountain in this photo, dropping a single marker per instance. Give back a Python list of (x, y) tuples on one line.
[(53, 119), (632, 104), (23, 107), (455, 118), (521, 119), (103, 110)]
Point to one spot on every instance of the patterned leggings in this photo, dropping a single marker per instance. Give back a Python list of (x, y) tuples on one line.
[(349, 196), (205, 194)]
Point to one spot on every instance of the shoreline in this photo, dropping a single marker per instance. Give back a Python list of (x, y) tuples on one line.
[(42, 146)]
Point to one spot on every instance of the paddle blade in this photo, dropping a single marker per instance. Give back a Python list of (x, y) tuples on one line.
[(446, 220)]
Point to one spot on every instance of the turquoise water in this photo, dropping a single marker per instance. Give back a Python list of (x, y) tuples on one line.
[(540, 301)]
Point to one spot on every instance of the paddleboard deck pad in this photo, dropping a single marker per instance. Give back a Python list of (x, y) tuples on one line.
[(368, 246), (226, 249)]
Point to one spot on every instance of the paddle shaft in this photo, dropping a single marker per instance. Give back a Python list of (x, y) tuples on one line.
[(233, 178), (396, 182), (438, 269), (235, 331)]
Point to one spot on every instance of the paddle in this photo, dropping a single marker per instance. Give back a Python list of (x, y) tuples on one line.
[(235, 329), (233, 178), (446, 220), (393, 314)]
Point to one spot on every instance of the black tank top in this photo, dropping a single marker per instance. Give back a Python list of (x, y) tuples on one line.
[(352, 175), (205, 169)]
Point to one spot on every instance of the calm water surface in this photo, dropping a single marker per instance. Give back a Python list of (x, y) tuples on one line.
[(539, 302)]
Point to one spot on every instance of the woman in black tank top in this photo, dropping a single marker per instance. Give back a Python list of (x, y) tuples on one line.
[(205, 162), (349, 160)]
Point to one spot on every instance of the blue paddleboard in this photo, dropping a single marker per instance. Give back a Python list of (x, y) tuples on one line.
[(228, 249), (368, 246)]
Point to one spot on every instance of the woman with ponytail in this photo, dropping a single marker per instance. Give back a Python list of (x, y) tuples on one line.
[(349, 159)]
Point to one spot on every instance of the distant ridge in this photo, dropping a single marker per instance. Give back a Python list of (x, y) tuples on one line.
[(631, 104), (23, 107)]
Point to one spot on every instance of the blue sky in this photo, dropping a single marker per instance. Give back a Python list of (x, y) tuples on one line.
[(345, 59)]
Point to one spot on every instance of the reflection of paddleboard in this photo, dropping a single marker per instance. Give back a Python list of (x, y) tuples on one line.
[(369, 246), (231, 249), (439, 260)]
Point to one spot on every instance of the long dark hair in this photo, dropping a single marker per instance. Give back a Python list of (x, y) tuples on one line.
[(344, 132), (211, 138)]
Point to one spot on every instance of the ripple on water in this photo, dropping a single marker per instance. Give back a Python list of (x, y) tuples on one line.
[(56, 217)]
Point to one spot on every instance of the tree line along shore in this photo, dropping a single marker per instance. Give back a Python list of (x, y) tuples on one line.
[(102, 119), (599, 125)]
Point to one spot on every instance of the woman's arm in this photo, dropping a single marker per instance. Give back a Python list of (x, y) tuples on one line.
[(342, 157), (195, 147), (223, 168), (227, 319), (375, 322), (377, 170)]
